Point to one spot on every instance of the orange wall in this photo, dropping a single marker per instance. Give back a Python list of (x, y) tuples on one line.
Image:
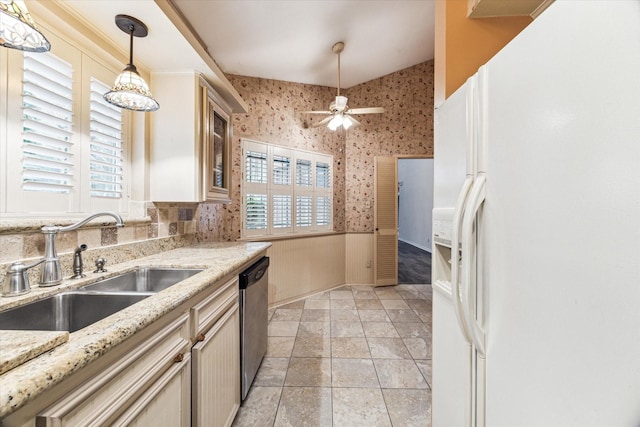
[(462, 45)]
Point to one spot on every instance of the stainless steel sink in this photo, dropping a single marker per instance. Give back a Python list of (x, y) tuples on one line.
[(143, 279), (68, 311)]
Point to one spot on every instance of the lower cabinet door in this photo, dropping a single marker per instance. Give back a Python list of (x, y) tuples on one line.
[(216, 373), (166, 403)]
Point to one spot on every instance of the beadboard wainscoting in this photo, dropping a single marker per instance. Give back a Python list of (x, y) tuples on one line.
[(307, 265), (359, 258)]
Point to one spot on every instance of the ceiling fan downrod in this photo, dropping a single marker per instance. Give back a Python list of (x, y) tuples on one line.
[(337, 49)]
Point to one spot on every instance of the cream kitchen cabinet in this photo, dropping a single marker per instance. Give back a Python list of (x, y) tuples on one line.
[(148, 385), (216, 358), (190, 137)]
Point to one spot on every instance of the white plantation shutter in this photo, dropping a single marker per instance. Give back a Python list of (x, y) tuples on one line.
[(106, 157), (47, 118), (256, 211), (281, 211), (323, 210), (304, 173), (285, 191), (304, 211)]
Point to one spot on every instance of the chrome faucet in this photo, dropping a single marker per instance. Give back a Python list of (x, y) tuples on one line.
[(50, 272)]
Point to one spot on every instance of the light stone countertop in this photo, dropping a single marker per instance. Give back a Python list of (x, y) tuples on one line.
[(18, 347), (24, 382)]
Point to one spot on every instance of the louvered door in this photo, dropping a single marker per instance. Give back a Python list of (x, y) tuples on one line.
[(385, 237)]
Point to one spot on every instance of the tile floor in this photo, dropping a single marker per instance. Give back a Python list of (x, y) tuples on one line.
[(353, 356)]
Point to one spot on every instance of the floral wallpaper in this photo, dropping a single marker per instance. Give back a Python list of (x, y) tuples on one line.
[(275, 116)]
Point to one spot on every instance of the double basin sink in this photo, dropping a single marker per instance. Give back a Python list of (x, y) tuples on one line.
[(74, 310)]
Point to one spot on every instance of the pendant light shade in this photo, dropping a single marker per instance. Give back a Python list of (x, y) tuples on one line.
[(130, 91), (17, 29)]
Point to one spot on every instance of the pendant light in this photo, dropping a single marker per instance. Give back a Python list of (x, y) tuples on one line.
[(17, 29), (130, 91)]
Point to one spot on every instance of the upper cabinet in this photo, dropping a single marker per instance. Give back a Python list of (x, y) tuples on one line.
[(497, 8), (190, 137)]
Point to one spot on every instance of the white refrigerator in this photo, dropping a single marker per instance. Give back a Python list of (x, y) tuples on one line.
[(536, 309)]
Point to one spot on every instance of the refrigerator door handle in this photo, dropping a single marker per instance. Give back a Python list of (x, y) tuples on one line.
[(476, 198), (455, 247)]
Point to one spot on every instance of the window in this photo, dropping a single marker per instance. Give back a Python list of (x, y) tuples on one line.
[(66, 148), (285, 191)]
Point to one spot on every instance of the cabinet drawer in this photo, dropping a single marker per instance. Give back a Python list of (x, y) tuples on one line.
[(107, 395), (207, 312)]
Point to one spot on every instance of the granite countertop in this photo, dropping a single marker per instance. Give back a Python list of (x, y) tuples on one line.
[(18, 347), (61, 359)]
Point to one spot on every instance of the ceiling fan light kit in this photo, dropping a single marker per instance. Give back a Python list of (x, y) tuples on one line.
[(340, 115)]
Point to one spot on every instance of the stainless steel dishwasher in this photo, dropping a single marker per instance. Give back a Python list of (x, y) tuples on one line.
[(253, 321)]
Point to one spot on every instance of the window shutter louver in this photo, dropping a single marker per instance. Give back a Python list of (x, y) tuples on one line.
[(304, 211), (303, 173), (106, 144), (256, 167), (281, 211), (323, 210), (47, 113), (281, 170), (323, 175), (256, 211)]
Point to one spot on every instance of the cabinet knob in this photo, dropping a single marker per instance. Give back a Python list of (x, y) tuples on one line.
[(200, 337), (179, 358)]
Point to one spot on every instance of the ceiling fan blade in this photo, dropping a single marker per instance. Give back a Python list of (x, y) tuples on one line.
[(355, 122), (316, 112), (322, 122), (366, 110)]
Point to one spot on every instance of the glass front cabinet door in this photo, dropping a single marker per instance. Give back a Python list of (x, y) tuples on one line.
[(216, 150)]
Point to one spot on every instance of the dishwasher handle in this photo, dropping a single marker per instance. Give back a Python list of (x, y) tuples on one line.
[(254, 273)]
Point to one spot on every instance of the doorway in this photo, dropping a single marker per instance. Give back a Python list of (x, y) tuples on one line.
[(415, 204)]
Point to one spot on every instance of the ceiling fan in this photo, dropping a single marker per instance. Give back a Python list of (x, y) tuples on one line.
[(340, 115)]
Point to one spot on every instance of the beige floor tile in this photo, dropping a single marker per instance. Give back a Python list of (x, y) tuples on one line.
[(356, 348), (399, 374), (259, 409), (359, 407), (270, 314), (353, 373), (394, 304), (369, 304), (314, 315), (419, 304), (286, 328), (403, 315), (425, 317), (345, 315), (387, 293), (341, 294), (280, 346), (324, 304), (366, 288), (312, 347), (304, 406), (287, 314), (373, 316), (321, 295), (364, 294), (309, 372), (425, 368), (343, 304), (314, 329), (271, 372), (413, 330), (408, 408), (418, 347), (388, 348), (379, 330), (293, 305), (346, 329)]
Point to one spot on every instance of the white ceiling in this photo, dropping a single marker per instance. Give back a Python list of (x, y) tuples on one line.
[(291, 40), (287, 40)]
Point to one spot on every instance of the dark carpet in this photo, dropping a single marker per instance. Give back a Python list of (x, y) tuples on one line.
[(414, 265)]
